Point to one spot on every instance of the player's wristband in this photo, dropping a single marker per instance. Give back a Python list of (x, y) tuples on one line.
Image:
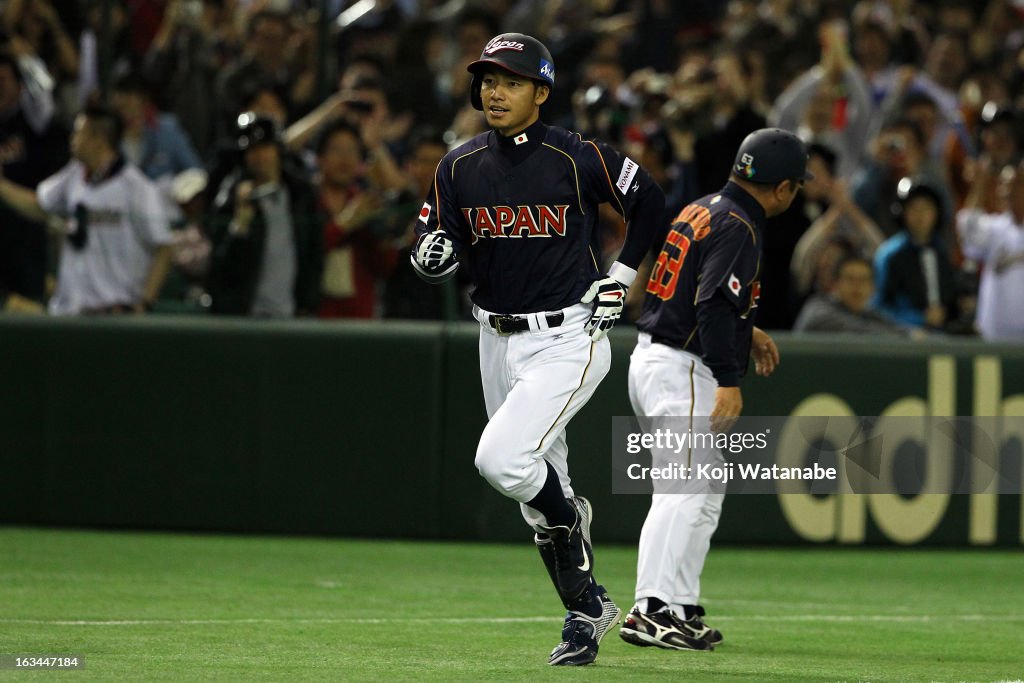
[(433, 277), (622, 274)]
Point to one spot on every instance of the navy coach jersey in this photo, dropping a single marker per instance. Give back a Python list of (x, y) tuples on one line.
[(522, 210), (713, 249)]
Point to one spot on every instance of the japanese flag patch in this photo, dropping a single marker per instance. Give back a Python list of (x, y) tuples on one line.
[(425, 212), (734, 285)]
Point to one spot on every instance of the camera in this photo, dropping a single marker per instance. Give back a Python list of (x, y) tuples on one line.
[(690, 113), (359, 106)]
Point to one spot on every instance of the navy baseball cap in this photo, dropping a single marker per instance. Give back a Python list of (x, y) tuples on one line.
[(516, 52), (771, 155)]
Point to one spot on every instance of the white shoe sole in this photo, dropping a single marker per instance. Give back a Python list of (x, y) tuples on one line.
[(645, 640)]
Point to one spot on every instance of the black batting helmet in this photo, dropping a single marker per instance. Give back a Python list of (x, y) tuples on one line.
[(771, 155), (254, 129), (516, 52)]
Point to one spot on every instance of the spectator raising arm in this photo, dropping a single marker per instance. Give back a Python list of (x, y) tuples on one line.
[(837, 83), (973, 224), (843, 220), (22, 200)]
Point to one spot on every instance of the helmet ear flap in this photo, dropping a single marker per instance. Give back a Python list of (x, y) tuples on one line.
[(474, 92)]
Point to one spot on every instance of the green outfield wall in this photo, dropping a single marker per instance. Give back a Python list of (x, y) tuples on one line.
[(369, 429)]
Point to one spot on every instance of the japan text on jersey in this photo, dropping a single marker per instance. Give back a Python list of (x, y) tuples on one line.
[(522, 213)]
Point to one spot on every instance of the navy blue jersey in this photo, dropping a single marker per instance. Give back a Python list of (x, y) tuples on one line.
[(710, 261), (522, 211)]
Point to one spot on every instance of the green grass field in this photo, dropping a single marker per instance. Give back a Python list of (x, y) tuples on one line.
[(155, 607)]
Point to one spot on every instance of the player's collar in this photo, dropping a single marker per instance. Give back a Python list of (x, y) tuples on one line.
[(746, 201), (104, 174), (532, 132), (518, 147)]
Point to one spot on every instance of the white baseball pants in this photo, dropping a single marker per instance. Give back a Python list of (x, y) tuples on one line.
[(676, 535), (534, 383)]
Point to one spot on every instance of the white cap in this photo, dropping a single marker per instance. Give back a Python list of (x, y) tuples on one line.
[(187, 184)]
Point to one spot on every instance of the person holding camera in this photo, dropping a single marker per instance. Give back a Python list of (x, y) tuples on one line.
[(355, 255), (362, 101), (268, 56), (711, 105), (266, 231), (184, 56), (831, 102), (897, 151), (34, 27)]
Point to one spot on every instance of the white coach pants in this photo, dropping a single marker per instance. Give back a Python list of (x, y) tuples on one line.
[(534, 382), (677, 533)]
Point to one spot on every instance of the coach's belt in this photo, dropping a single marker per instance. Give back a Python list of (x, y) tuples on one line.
[(510, 324)]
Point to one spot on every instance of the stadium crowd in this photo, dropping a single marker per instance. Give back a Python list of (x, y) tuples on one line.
[(291, 182)]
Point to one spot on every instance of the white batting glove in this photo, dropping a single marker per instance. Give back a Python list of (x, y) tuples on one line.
[(434, 257), (608, 295)]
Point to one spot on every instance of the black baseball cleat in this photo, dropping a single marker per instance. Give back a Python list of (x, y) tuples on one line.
[(573, 554), (582, 634), (696, 628), (661, 629)]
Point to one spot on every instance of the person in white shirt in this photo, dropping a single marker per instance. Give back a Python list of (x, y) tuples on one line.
[(996, 240), (117, 251)]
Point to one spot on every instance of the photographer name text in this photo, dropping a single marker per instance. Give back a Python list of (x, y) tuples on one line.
[(729, 472)]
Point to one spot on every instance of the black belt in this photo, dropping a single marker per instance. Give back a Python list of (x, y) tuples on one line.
[(510, 324), (668, 342)]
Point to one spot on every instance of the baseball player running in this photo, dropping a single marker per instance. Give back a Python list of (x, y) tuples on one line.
[(696, 332), (518, 206)]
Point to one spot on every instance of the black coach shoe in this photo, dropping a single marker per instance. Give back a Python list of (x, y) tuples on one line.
[(573, 554), (661, 629), (695, 627)]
